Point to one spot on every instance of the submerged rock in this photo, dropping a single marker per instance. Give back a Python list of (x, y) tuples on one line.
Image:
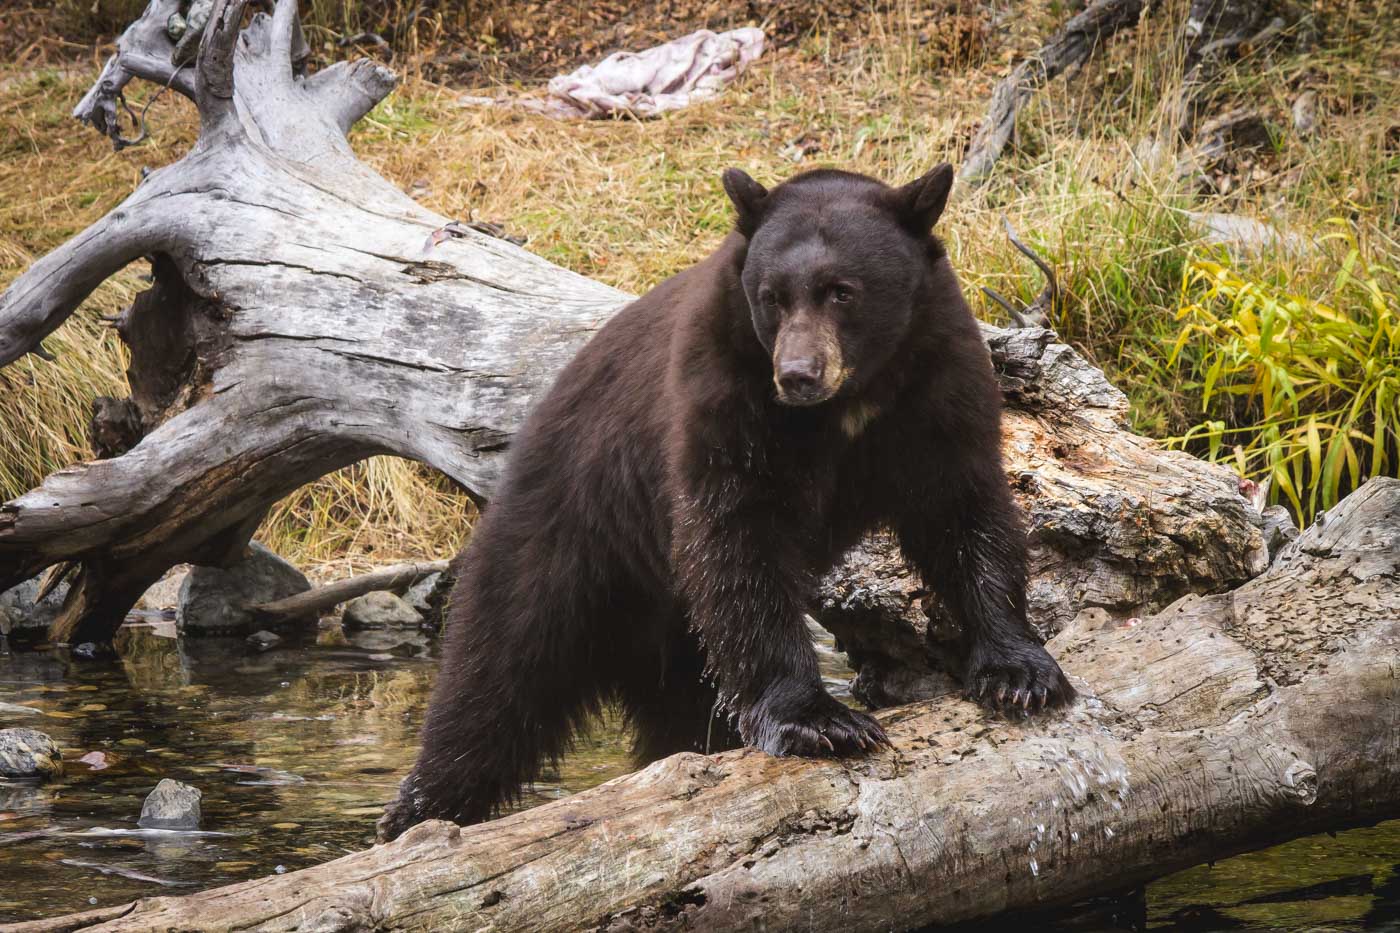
[(380, 609), (264, 640), (403, 642), (18, 610), (216, 599), (29, 753), (172, 805)]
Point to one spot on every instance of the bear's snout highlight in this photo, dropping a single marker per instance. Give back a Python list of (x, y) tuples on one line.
[(808, 368)]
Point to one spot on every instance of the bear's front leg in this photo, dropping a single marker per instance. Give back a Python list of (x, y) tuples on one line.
[(968, 547), (744, 581)]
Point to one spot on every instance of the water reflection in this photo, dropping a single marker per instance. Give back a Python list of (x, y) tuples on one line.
[(295, 749)]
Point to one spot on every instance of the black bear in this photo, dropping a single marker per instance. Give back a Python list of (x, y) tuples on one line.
[(710, 453)]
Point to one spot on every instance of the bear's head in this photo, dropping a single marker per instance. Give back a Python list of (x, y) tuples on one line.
[(832, 272)]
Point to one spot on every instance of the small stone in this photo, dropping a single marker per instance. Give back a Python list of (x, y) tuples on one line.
[(165, 592), (380, 609), (29, 753), (264, 640), (286, 826), (1305, 113), (419, 594), (18, 611), (87, 651), (172, 805)]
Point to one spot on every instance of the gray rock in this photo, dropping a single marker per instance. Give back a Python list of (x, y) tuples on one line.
[(419, 595), (172, 805), (215, 599), (380, 609), (28, 753), (264, 640), (431, 598), (18, 610), (165, 592)]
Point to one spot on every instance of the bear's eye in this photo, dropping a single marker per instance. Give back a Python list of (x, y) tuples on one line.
[(842, 295), (769, 299)]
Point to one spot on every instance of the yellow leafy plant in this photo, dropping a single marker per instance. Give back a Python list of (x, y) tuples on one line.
[(1297, 390)]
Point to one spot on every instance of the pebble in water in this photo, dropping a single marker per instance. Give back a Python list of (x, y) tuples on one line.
[(172, 805)]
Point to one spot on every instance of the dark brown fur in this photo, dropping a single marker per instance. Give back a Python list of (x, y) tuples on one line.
[(673, 499)]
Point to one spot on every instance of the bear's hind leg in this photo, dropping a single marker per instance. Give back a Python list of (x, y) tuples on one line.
[(516, 683), (672, 708)]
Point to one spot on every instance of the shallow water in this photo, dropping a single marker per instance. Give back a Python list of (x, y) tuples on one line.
[(297, 749)]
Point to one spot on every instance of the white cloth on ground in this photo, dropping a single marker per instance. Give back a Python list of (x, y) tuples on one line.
[(665, 77)]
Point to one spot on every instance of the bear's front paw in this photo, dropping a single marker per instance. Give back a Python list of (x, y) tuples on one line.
[(1018, 676), (809, 723)]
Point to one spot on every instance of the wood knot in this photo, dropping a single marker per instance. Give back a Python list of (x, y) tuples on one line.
[(1300, 783)]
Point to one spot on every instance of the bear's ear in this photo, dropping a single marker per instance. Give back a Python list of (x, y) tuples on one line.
[(749, 197), (921, 202)]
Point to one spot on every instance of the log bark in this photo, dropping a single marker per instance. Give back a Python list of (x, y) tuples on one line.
[(1220, 724)]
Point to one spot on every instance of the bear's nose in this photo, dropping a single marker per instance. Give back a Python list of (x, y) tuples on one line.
[(801, 377)]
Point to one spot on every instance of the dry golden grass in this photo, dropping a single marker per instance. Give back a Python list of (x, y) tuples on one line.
[(631, 202)]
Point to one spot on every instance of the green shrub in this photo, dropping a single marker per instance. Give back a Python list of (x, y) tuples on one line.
[(1299, 391)]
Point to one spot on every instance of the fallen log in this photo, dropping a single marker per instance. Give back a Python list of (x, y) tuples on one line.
[(1069, 48), (1221, 724)]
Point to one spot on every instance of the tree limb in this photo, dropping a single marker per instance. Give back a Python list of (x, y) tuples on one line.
[(315, 601), (1071, 46)]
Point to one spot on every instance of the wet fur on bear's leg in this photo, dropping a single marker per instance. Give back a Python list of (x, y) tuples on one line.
[(973, 554), (671, 708), (514, 685)]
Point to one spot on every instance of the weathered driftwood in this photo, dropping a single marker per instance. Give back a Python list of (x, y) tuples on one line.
[(314, 601), (1069, 48), (1220, 724), (296, 323), (299, 321)]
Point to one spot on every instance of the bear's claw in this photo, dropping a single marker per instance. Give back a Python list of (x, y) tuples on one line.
[(823, 727), (1020, 677)]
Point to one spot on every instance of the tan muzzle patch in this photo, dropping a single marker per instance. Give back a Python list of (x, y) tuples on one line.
[(808, 352)]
